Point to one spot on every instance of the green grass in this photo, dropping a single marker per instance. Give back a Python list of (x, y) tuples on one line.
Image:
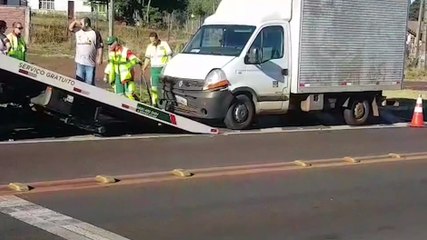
[(50, 36), (413, 74), (405, 94)]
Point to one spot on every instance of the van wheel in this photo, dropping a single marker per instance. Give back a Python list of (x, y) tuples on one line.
[(241, 113), (357, 112)]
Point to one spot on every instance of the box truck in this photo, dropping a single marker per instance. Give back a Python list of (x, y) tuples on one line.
[(255, 57)]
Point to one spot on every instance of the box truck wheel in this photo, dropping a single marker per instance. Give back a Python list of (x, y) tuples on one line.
[(240, 114), (357, 112)]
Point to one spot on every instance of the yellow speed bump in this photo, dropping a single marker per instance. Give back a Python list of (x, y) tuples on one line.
[(302, 163), (182, 173), (105, 179), (19, 187), (351, 160), (394, 155)]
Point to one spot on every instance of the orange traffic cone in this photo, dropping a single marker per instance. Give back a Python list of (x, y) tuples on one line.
[(418, 117)]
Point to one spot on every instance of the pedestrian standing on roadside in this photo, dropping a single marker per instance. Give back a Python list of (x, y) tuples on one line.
[(157, 55), (4, 41), (89, 50), (18, 47)]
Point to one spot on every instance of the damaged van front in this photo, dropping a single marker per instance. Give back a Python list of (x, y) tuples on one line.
[(198, 82)]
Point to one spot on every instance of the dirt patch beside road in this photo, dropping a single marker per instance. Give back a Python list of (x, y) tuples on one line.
[(65, 66), (414, 85)]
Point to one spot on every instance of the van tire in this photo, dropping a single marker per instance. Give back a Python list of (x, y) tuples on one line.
[(357, 113), (240, 114)]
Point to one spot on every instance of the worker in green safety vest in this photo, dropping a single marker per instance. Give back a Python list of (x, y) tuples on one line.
[(119, 70), (157, 55), (18, 48)]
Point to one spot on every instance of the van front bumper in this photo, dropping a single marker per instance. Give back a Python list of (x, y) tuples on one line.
[(198, 104)]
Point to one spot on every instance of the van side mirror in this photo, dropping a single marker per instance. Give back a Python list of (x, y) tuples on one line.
[(254, 56)]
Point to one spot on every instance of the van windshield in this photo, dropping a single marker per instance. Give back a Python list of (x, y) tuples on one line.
[(226, 40)]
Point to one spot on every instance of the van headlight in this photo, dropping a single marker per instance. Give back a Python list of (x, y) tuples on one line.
[(216, 80)]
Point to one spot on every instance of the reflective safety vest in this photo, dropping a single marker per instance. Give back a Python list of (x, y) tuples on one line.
[(158, 55), (121, 63), (18, 48)]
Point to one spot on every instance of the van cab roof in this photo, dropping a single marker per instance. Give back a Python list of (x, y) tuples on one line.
[(251, 12)]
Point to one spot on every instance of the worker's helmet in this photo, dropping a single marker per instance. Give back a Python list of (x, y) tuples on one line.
[(111, 40)]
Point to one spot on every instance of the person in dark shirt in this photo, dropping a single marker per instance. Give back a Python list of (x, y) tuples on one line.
[(4, 41)]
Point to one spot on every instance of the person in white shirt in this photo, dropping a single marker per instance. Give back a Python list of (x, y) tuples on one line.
[(89, 48), (157, 55)]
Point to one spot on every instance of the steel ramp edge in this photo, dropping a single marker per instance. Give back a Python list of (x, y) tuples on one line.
[(74, 86)]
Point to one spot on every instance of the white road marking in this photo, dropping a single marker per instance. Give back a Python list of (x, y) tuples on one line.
[(258, 131), (318, 129), (53, 222)]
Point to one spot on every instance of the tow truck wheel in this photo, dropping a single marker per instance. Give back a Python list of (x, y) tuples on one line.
[(357, 112), (241, 113)]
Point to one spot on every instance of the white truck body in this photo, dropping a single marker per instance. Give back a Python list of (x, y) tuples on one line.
[(307, 53)]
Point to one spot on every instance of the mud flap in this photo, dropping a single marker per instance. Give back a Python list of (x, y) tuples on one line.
[(375, 111)]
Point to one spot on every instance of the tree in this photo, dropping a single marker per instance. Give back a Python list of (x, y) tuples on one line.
[(414, 10), (125, 9), (202, 8), (98, 1), (170, 5), (132, 10)]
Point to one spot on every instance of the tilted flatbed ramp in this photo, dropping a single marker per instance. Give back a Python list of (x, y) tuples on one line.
[(75, 87)]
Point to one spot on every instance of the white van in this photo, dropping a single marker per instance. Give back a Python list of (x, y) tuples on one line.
[(270, 56)]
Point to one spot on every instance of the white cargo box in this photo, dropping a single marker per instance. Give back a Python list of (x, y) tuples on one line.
[(348, 45)]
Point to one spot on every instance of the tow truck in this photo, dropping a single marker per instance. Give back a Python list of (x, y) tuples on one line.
[(82, 105)]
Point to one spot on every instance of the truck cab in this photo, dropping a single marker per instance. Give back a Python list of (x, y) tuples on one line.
[(233, 68)]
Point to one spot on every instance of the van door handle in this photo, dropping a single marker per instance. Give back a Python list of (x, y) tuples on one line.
[(285, 72)]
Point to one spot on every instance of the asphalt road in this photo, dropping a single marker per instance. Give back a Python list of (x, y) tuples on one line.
[(69, 160), (381, 201), (11, 228)]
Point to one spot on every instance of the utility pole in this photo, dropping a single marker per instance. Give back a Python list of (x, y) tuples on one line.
[(417, 37), (147, 15), (423, 64), (111, 18), (422, 59)]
